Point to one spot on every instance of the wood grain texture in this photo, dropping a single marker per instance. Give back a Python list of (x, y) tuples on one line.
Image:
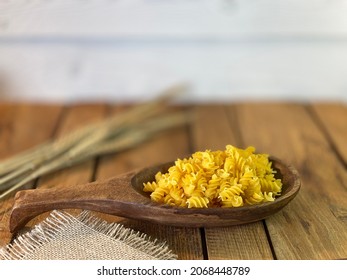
[(214, 129), (21, 127), (185, 242), (74, 117), (313, 226), (235, 49), (7, 116), (232, 71), (333, 117)]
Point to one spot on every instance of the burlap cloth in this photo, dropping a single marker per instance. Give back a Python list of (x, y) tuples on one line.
[(65, 237)]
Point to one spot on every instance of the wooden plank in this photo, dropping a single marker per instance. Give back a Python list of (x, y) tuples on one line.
[(313, 225), (214, 129), (162, 18), (7, 113), (30, 124), (111, 68), (22, 126), (7, 116), (76, 116), (166, 146), (333, 117)]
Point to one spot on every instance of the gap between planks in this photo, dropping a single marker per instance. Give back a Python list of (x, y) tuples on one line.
[(166, 146), (24, 120), (332, 121), (316, 215), (213, 129)]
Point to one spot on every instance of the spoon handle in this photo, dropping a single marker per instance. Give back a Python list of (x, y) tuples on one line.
[(112, 196)]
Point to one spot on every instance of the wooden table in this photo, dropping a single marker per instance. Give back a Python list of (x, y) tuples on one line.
[(311, 137)]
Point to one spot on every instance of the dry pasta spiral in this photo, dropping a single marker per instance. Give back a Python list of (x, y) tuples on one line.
[(230, 178)]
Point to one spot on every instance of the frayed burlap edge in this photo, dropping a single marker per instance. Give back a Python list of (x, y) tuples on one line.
[(58, 221)]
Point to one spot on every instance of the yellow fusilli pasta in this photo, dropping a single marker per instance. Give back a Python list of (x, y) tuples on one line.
[(230, 178)]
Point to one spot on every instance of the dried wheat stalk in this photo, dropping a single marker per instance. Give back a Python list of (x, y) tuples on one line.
[(117, 133)]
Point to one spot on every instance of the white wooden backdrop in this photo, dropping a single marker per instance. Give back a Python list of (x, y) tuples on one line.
[(125, 50)]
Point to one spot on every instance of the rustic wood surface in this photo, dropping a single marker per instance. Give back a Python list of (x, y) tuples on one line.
[(311, 137)]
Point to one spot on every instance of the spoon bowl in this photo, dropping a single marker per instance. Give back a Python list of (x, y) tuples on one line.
[(123, 196)]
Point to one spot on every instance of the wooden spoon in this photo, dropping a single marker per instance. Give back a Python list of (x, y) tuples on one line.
[(123, 196)]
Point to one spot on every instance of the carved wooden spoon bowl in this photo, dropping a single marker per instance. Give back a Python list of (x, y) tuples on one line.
[(123, 196)]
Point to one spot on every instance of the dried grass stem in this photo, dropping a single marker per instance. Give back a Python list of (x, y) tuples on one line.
[(122, 131)]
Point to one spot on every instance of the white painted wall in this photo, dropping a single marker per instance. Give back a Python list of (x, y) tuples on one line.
[(125, 50)]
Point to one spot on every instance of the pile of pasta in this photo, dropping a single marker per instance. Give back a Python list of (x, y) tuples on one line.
[(230, 178)]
